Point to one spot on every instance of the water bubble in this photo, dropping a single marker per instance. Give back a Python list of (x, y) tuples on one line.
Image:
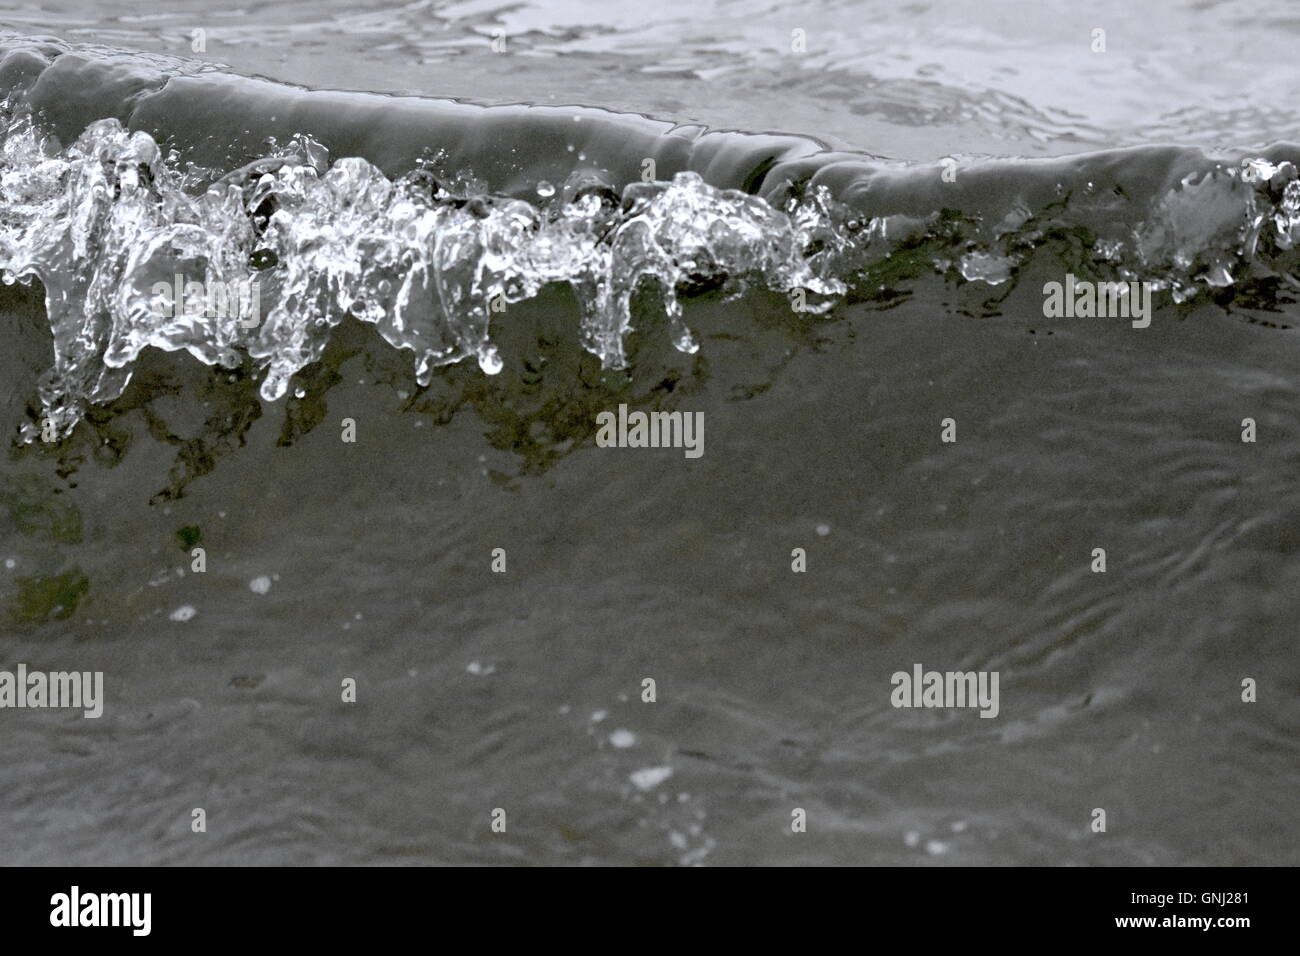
[(650, 777), (545, 189), (184, 613)]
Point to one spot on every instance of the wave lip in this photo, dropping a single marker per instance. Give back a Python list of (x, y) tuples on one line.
[(221, 120)]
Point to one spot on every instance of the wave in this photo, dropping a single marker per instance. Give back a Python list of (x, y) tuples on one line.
[(126, 177)]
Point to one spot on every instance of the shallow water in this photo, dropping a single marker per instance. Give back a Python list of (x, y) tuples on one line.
[(477, 690)]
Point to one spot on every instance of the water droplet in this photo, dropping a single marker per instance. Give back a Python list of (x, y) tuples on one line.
[(684, 341), (490, 361)]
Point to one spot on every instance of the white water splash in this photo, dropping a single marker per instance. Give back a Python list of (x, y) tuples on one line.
[(102, 222)]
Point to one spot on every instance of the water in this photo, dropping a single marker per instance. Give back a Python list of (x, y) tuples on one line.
[(476, 430), (911, 81)]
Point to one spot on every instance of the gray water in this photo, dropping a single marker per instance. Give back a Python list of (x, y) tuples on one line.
[(523, 690)]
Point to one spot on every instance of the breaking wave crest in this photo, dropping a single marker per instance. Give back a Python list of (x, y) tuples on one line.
[(106, 222), (430, 256)]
